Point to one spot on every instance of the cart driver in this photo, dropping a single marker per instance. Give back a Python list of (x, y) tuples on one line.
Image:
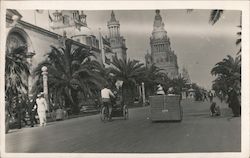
[(105, 94)]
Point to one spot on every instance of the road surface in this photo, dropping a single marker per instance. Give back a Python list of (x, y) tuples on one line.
[(198, 132)]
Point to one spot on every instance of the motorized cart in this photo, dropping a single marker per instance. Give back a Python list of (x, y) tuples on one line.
[(165, 108)]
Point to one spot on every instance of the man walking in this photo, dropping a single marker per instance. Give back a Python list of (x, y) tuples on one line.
[(211, 96), (105, 94), (41, 109)]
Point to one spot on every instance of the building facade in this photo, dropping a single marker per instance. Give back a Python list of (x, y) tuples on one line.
[(161, 53), (38, 40), (117, 42), (73, 24)]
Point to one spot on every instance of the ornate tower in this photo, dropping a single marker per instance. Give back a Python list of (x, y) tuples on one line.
[(117, 42), (73, 24), (161, 53)]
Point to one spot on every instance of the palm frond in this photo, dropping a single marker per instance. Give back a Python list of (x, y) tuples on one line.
[(215, 16)]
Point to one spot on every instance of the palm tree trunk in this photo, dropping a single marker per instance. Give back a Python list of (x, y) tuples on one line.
[(75, 103)]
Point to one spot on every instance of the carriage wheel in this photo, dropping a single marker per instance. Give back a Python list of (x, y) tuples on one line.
[(125, 112), (104, 113)]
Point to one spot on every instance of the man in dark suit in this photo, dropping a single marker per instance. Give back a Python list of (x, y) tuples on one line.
[(32, 112)]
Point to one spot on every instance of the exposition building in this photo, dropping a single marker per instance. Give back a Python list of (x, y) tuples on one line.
[(161, 53), (65, 24)]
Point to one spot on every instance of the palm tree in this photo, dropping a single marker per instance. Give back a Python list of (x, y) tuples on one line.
[(229, 71), (228, 80), (16, 72), (16, 79), (131, 73), (178, 83), (215, 16), (238, 41), (152, 77), (71, 72)]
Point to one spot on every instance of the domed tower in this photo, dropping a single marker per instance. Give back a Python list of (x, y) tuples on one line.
[(73, 24), (161, 53), (117, 42)]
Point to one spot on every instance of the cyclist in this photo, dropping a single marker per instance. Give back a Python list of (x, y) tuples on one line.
[(105, 94)]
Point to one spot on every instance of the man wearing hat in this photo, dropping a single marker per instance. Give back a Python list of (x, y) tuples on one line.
[(41, 108)]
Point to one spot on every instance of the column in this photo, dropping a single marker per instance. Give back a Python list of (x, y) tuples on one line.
[(143, 94), (45, 84)]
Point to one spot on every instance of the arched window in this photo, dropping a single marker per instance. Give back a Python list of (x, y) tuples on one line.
[(15, 40)]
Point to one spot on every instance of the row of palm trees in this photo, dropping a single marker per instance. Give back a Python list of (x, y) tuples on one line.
[(74, 75)]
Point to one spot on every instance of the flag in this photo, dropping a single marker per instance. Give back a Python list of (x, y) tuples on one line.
[(50, 18)]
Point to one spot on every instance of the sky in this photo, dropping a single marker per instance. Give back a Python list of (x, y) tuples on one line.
[(197, 44)]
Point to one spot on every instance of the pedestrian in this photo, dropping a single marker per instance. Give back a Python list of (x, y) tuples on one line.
[(21, 112), (214, 109), (205, 96), (221, 96), (160, 90), (106, 93), (41, 109), (32, 112), (171, 91), (210, 95)]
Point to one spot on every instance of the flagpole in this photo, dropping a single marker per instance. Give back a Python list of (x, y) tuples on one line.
[(101, 47), (49, 20), (35, 17)]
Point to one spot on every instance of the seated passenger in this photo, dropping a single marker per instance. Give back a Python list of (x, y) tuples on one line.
[(171, 91), (160, 90)]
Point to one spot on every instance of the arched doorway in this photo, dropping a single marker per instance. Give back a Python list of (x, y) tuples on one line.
[(17, 37)]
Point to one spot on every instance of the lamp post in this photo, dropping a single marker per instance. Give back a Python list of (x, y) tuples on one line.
[(143, 94), (45, 84)]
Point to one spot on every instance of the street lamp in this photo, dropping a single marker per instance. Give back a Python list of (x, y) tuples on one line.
[(45, 84), (143, 94)]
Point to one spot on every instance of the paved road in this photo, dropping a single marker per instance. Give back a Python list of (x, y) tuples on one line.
[(196, 133)]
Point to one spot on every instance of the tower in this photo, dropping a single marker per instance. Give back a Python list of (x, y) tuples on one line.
[(73, 25), (117, 42), (161, 53)]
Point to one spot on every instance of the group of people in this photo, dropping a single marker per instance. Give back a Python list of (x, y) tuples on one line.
[(29, 108), (160, 90), (38, 107)]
